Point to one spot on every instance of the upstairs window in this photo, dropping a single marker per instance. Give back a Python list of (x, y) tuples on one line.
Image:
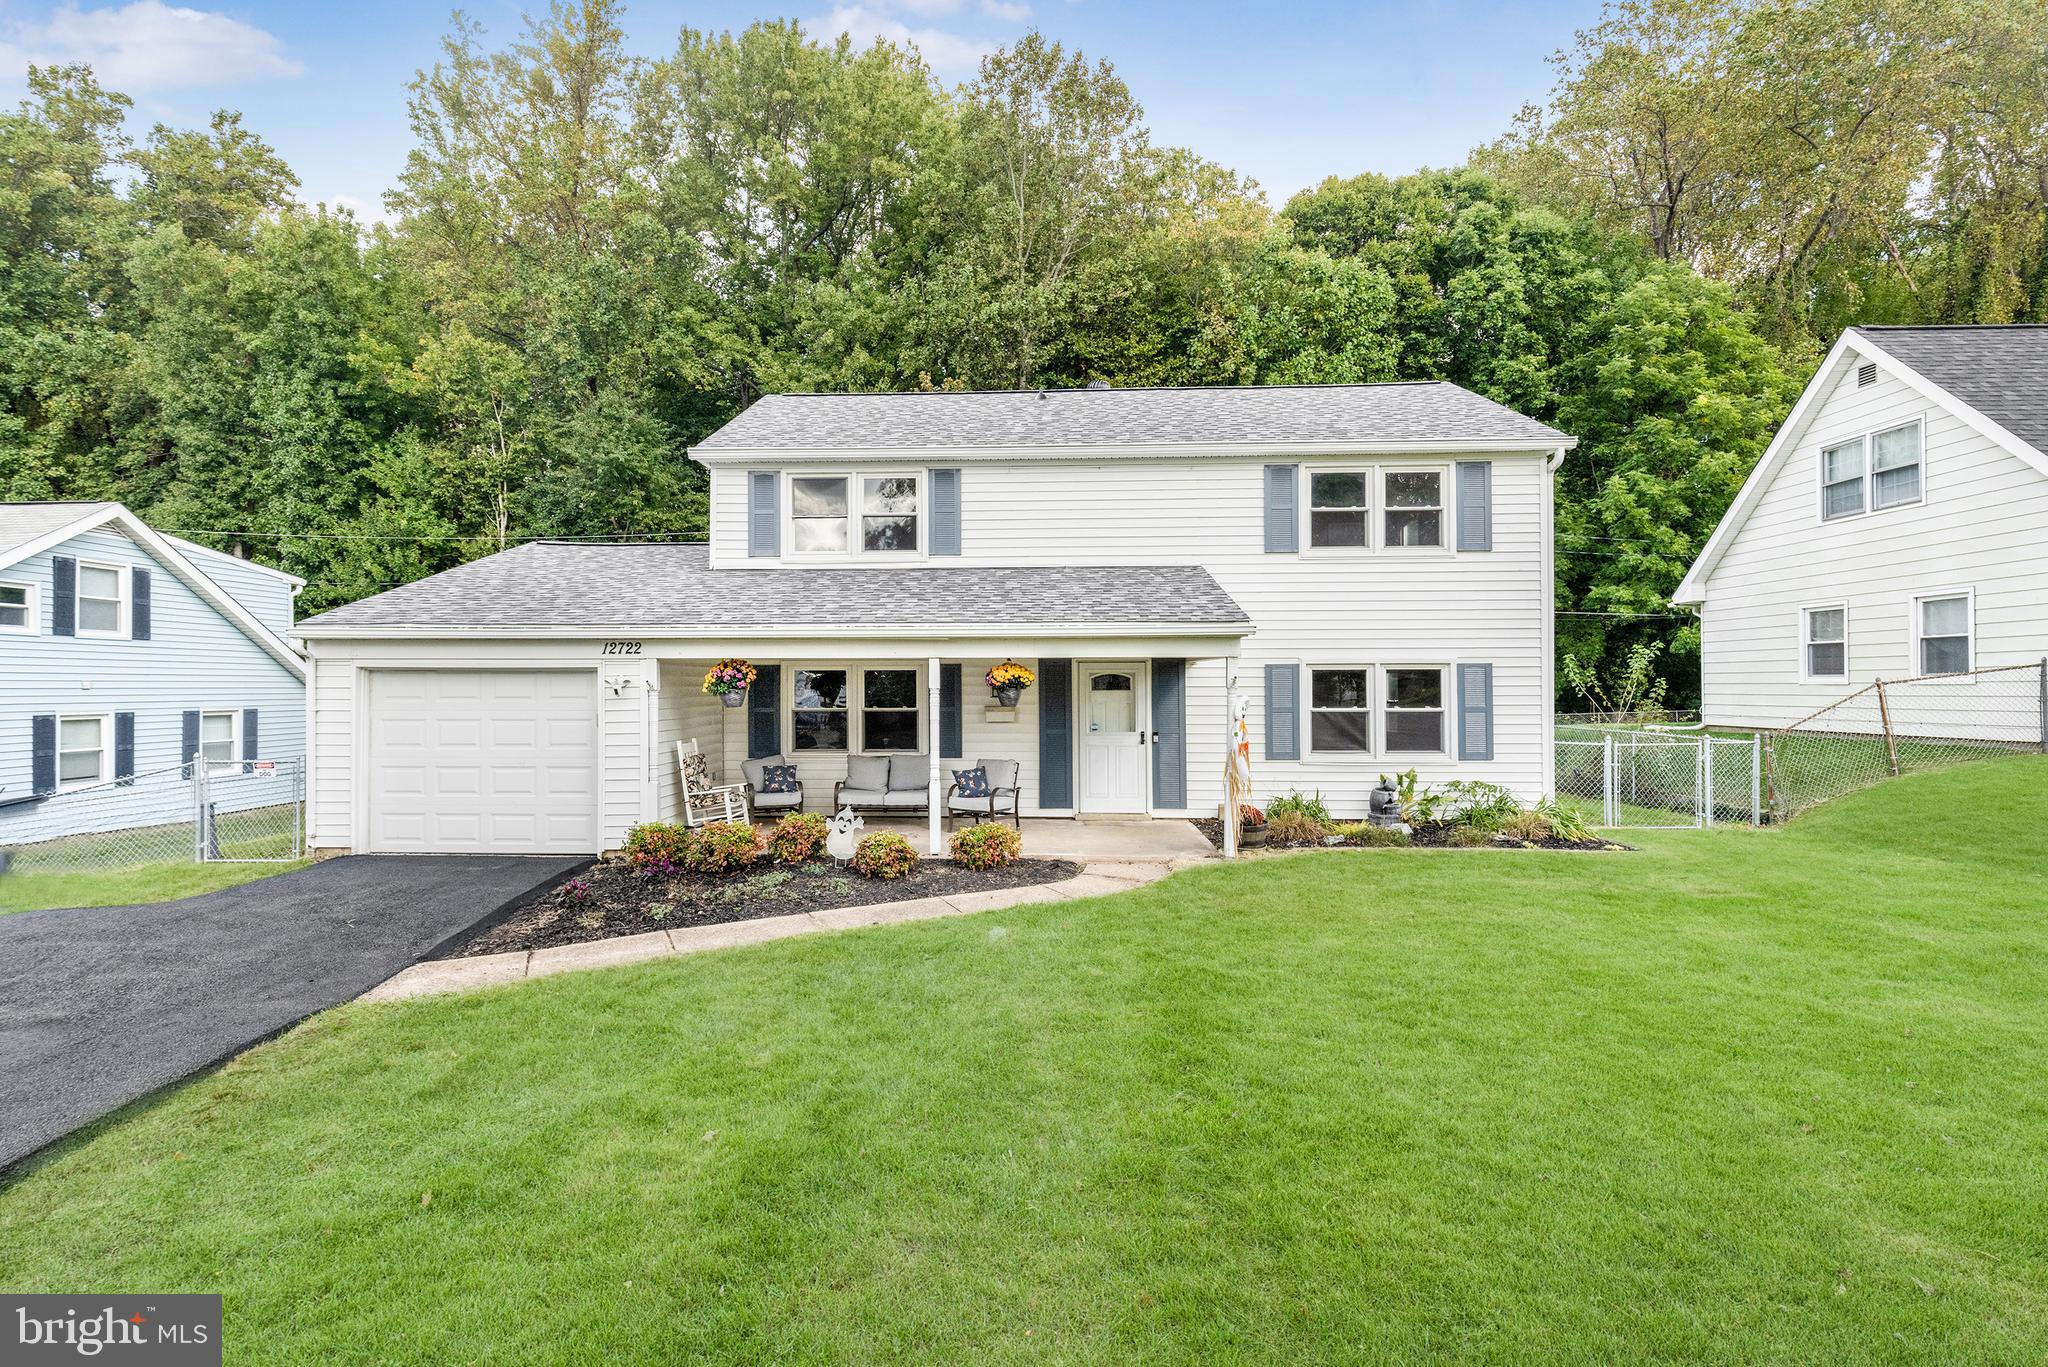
[(1827, 643), (17, 608), (1337, 508), (1944, 632), (817, 514), (1895, 467), (1415, 507), (850, 515), (818, 710), (99, 600), (1841, 480), (888, 513)]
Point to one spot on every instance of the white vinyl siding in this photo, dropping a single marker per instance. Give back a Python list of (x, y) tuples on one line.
[(1977, 525)]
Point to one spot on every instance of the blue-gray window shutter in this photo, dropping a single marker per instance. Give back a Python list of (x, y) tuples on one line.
[(951, 742), (764, 713), (43, 754), (63, 596), (1055, 734), (945, 514), (1283, 712), (124, 746), (1283, 485), (138, 605), (249, 749), (1475, 711), (188, 741), (1170, 726), (1475, 505), (764, 513)]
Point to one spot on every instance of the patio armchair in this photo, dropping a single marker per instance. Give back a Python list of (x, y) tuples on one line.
[(886, 783), (759, 799), (706, 803), (1002, 799)]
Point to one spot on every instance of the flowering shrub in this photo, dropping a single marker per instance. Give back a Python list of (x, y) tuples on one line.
[(656, 848), (1010, 674), (728, 676), (987, 846), (723, 848), (884, 854), (797, 837), (573, 893)]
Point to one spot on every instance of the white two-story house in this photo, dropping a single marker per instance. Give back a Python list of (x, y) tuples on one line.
[(1368, 565), (1896, 528)]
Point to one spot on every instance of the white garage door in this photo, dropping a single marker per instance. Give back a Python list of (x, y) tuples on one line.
[(483, 761)]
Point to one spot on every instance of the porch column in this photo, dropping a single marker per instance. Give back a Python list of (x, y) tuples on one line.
[(1224, 809), (934, 747)]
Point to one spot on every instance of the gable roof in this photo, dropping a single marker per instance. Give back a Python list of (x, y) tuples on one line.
[(1987, 375), (28, 529), (1406, 416), (552, 586)]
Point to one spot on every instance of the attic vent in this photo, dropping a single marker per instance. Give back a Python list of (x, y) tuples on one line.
[(1866, 374)]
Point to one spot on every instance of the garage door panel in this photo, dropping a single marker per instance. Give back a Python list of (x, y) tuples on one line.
[(491, 761)]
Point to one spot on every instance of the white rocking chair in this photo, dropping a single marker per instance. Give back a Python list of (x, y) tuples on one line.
[(704, 802)]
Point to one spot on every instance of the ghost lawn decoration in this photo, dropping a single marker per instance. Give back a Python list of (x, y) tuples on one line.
[(843, 834)]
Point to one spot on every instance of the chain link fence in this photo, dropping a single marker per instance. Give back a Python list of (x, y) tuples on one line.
[(1659, 780), (248, 811), (1906, 726)]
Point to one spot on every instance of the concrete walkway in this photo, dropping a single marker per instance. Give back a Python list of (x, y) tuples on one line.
[(486, 970), (102, 1005)]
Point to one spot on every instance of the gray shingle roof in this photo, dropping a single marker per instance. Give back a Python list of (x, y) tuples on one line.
[(21, 523), (2000, 370), (1425, 411), (662, 587)]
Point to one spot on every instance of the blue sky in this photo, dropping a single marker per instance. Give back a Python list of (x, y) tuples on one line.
[(1284, 93)]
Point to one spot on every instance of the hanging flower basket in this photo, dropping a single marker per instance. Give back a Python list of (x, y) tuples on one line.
[(1008, 681), (728, 681)]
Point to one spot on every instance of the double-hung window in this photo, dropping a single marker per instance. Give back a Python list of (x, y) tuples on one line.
[(1337, 508), (841, 515), (888, 709), (1340, 710), (219, 743), (82, 744), (1841, 480), (819, 710), (888, 513), (1827, 643), (817, 514), (1895, 467), (1414, 710), (1415, 507), (1942, 624), (100, 605), (17, 608)]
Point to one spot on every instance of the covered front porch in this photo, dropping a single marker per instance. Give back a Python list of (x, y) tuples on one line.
[(1116, 743)]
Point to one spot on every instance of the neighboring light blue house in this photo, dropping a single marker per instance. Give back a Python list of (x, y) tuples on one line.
[(123, 653)]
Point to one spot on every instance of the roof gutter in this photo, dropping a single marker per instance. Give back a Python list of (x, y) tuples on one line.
[(793, 455), (310, 630)]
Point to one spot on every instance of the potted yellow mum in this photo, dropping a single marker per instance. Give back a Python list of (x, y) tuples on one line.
[(1008, 681)]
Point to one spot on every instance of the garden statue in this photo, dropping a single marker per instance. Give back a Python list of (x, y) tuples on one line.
[(843, 834), (1383, 807)]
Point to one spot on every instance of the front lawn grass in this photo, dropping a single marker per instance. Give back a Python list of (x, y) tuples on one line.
[(1741, 1096), (35, 889)]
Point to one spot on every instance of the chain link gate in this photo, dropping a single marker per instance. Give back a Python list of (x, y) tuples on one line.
[(1651, 780), (249, 812)]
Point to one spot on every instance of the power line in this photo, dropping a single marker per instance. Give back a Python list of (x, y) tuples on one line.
[(686, 537)]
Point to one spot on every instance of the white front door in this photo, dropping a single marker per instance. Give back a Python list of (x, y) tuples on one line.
[(1113, 750)]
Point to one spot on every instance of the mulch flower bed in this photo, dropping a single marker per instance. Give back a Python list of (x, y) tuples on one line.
[(1430, 835), (621, 902)]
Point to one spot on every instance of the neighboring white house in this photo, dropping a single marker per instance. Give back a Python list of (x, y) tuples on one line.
[(1369, 564), (123, 652), (1897, 527)]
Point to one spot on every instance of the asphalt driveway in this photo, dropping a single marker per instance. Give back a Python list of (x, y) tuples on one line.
[(101, 1005)]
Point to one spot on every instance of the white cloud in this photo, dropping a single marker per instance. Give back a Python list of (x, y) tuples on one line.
[(930, 9), (1016, 11), (147, 46), (950, 54)]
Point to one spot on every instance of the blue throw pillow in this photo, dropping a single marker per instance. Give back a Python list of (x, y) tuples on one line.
[(778, 778), (972, 782)]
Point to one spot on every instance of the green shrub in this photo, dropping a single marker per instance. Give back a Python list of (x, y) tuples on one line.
[(656, 847), (1531, 826), (1485, 805), (1293, 827), (1464, 835), (1565, 822), (723, 848), (1365, 833), (797, 837), (884, 854), (1310, 807), (989, 845)]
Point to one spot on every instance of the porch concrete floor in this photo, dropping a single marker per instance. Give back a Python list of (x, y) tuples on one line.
[(1139, 838)]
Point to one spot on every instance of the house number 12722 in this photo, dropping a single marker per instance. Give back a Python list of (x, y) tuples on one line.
[(620, 648)]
